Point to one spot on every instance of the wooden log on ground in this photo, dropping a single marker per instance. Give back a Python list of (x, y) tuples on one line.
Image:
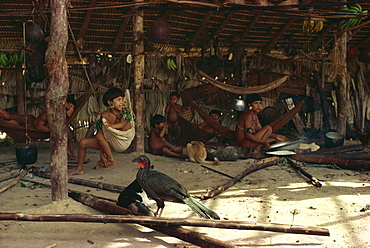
[(313, 180), (342, 163), (175, 231), (8, 175), (337, 150), (14, 182), (80, 181), (146, 220), (219, 189)]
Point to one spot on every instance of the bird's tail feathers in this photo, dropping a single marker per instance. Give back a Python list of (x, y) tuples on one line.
[(202, 210)]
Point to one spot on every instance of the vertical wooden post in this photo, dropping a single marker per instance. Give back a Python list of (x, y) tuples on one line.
[(20, 89), (342, 86), (138, 54), (56, 97)]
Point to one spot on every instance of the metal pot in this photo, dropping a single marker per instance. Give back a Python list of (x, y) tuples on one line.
[(238, 105), (333, 139), (286, 146)]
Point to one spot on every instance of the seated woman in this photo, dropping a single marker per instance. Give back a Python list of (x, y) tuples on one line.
[(249, 132)]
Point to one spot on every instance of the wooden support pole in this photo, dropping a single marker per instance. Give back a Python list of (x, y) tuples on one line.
[(219, 189), (55, 98), (20, 88), (139, 59), (145, 220)]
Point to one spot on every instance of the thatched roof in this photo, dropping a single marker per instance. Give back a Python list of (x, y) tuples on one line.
[(106, 26)]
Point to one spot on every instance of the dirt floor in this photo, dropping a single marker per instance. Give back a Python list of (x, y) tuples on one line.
[(269, 195)]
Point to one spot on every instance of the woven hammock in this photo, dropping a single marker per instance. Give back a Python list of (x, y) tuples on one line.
[(276, 125), (18, 133), (191, 132)]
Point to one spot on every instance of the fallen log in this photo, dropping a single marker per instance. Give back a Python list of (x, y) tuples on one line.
[(219, 189), (8, 175), (175, 231), (313, 180), (145, 220), (342, 163), (14, 182), (337, 150), (80, 181)]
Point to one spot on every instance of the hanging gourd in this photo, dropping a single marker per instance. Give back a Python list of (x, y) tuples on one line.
[(159, 31), (34, 33)]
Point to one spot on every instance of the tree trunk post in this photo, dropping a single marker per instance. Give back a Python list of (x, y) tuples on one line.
[(138, 54), (343, 89), (56, 97)]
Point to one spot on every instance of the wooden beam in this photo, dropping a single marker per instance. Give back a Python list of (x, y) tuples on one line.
[(363, 42), (322, 36), (202, 26), (250, 26), (86, 22), (121, 31), (224, 23), (278, 36)]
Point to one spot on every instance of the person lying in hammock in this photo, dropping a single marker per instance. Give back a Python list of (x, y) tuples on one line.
[(249, 132), (216, 116), (40, 122), (115, 131)]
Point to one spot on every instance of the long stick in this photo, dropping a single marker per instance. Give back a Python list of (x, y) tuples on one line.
[(222, 188), (342, 163), (314, 180), (14, 182), (219, 172), (79, 181), (175, 231), (145, 220), (8, 175)]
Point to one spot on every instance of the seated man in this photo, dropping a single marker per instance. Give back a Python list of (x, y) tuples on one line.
[(41, 123), (249, 132), (216, 116)]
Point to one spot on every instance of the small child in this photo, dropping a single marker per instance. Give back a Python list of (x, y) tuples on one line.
[(172, 111), (157, 143), (216, 116), (117, 117)]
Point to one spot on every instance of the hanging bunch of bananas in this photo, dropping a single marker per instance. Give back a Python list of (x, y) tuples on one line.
[(11, 59), (355, 9), (312, 26), (171, 64)]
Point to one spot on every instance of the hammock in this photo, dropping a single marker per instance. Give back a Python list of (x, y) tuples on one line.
[(18, 133), (244, 90), (119, 140), (276, 125), (191, 132)]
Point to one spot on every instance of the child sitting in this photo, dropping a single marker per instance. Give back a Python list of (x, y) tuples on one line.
[(157, 143), (117, 119)]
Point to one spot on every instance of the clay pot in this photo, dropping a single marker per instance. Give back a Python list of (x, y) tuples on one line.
[(159, 31), (34, 33)]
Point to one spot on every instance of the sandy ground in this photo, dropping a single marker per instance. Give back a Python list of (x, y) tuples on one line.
[(268, 195)]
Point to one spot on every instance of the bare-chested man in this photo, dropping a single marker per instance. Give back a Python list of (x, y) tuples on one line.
[(250, 133)]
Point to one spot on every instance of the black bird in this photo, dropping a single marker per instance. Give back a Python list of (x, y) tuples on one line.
[(131, 198), (161, 187)]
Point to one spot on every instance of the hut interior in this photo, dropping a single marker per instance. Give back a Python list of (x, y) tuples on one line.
[(239, 43)]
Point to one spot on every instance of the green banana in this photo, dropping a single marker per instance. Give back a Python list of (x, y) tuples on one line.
[(343, 9), (359, 7), (352, 10), (21, 56), (2, 59), (364, 12), (6, 60)]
